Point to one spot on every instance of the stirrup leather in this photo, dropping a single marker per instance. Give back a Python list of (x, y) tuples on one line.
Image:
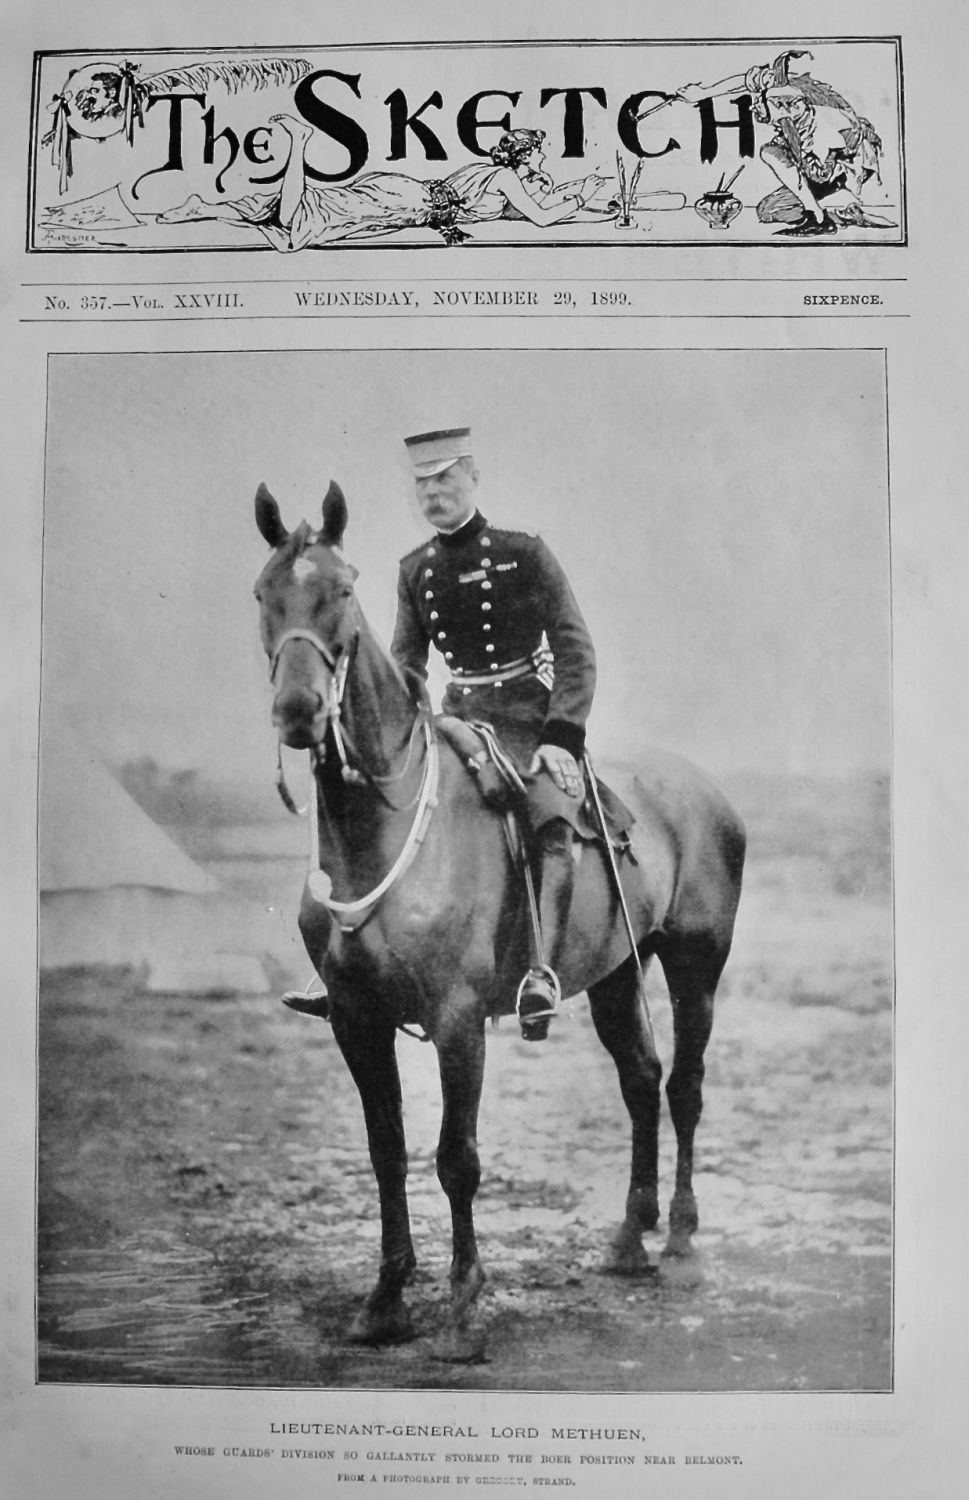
[(548, 975)]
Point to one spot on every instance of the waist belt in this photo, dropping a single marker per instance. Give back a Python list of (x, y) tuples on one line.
[(506, 672)]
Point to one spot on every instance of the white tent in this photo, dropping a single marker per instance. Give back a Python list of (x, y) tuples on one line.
[(115, 892)]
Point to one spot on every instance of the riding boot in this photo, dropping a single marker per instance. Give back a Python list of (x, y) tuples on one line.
[(315, 923), (308, 1004), (540, 991)]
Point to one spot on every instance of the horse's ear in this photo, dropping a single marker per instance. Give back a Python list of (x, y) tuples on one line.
[(334, 515), (268, 518)]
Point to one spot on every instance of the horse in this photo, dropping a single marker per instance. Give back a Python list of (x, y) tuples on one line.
[(415, 918)]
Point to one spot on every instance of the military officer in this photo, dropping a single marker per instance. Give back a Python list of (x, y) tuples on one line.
[(499, 608)]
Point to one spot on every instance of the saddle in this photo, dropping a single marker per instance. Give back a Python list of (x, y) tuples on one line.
[(502, 789)]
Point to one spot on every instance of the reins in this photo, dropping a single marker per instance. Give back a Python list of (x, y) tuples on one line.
[(352, 914)]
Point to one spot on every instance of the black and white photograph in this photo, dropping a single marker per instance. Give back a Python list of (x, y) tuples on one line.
[(459, 768)]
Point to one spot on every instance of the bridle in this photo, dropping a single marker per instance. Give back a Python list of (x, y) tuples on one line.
[(299, 634), (339, 666), (352, 914)]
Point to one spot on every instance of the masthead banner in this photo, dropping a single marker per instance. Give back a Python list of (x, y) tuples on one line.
[(775, 141)]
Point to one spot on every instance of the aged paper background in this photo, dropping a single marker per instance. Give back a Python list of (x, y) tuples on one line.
[(117, 1441)]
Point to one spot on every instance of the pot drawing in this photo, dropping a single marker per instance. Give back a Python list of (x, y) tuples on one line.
[(718, 209), (720, 206)]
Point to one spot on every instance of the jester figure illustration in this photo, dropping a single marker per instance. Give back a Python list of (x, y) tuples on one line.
[(822, 151)]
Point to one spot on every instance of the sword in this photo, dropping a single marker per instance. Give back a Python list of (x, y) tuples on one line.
[(614, 870)]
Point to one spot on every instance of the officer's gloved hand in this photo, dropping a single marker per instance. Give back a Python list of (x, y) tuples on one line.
[(561, 766)]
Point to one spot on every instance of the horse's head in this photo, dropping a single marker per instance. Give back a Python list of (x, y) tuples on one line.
[(308, 616)]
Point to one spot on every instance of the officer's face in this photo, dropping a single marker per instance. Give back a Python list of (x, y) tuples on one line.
[(448, 499)]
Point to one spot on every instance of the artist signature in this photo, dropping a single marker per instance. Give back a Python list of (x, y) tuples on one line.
[(68, 237)]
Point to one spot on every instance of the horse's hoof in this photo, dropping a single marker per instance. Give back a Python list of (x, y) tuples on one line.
[(680, 1264), (460, 1346), (678, 1247), (626, 1255), (684, 1221), (389, 1326)]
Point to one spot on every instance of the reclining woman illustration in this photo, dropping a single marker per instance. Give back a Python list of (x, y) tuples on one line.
[(510, 183)]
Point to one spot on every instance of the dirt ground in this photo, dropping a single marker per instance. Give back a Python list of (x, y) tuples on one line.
[(208, 1215)]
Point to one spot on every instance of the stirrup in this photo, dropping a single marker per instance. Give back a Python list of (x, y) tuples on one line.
[(545, 979)]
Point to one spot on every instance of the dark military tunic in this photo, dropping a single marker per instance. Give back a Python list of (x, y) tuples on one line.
[(490, 599)]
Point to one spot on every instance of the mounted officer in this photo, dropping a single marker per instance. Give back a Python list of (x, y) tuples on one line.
[(499, 608)]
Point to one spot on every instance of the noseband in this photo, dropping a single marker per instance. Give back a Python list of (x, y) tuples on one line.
[(314, 639)]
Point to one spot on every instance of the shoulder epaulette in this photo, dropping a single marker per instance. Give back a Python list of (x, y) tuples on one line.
[(528, 531)]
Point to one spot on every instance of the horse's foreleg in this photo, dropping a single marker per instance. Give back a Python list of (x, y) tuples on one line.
[(618, 1019), (692, 976), (368, 1048), (461, 1053)]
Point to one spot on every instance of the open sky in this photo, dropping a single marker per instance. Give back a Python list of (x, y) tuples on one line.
[(723, 518)]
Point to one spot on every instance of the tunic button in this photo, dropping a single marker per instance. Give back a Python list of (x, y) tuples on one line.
[(486, 562), (449, 656), (486, 606), (434, 614), (465, 691), (486, 541), (498, 684), (430, 552), (493, 665), (442, 635), (428, 572), (486, 584), (489, 647), (486, 626), (428, 594)]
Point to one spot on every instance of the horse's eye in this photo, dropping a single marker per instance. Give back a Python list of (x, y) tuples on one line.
[(347, 592)]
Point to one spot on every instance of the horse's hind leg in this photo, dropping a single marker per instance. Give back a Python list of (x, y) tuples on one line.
[(461, 1055), (692, 971), (618, 1019), (368, 1048)]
